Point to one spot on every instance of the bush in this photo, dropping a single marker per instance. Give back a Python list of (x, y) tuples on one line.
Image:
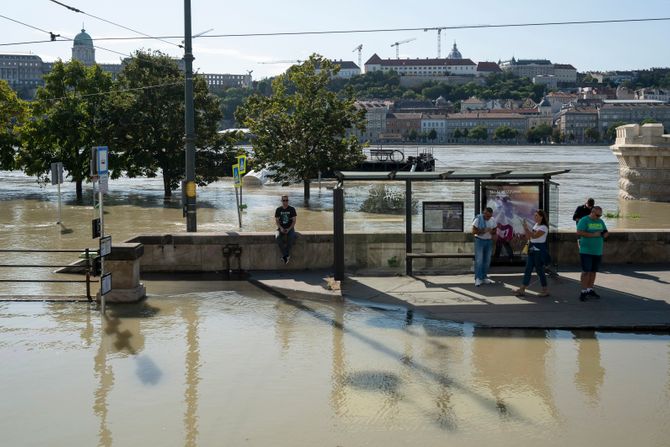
[(384, 199)]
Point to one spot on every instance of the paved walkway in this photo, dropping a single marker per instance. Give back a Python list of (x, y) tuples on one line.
[(633, 297)]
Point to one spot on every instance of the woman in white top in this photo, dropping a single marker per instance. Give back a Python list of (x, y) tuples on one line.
[(537, 252)]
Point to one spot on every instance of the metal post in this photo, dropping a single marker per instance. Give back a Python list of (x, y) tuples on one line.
[(189, 121), (478, 188), (239, 211), (59, 204), (88, 276), (408, 226), (102, 259), (338, 231)]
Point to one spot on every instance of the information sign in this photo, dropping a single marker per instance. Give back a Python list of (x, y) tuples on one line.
[(103, 183), (56, 173), (105, 245), (95, 228), (106, 284), (236, 175), (102, 165), (442, 216), (242, 163)]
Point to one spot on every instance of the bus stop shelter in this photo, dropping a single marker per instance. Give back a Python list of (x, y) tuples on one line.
[(477, 177)]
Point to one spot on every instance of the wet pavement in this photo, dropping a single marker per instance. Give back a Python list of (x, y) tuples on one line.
[(633, 298)]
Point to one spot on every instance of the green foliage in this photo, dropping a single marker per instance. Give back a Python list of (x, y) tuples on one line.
[(539, 133), (301, 129), (505, 133), (610, 134), (479, 133), (592, 134), (385, 199), (13, 113), (432, 135), (149, 136), (69, 116)]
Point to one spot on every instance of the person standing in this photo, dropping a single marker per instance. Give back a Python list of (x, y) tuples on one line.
[(285, 218), (592, 233), (484, 229), (583, 210), (537, 252)]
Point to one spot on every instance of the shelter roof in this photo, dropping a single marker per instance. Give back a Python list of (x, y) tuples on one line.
[(456, 175)]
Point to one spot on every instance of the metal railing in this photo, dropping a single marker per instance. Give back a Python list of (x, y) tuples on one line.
[(88, 267)]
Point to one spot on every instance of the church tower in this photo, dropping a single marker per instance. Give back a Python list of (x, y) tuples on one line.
[(82, 49)]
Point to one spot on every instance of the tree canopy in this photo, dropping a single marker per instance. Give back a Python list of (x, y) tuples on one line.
[(13, 112), (68, 118), (301, 130)]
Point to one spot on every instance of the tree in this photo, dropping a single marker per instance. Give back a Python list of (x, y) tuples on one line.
[(592, 134), (505, 133), (539, 133), (151, 137), (13, 112), (479, 133), (610, 134), (68, 118), (432, 135), (457, 134), (557, 136), (301, 129)]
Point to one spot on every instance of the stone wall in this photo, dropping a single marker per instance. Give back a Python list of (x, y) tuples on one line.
[(369, 252), (644, 162)]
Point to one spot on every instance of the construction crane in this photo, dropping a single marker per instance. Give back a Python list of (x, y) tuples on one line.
[(397, 46), (359, 49), (439, 39)]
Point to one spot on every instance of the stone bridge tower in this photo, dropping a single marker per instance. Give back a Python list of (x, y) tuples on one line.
[(644, 162)]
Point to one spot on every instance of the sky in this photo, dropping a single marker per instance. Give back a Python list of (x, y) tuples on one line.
[(621, 46)]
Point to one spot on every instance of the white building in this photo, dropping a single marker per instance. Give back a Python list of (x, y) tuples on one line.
[(422, 67), (437, 123)]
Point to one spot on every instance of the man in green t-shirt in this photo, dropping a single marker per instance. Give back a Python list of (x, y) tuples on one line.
[(592, 232)]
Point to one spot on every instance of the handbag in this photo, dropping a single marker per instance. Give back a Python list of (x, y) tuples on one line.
[(524, 250)]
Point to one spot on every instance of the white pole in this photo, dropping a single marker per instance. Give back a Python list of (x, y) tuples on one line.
[(102, 259), (59, 205), (239, 212)]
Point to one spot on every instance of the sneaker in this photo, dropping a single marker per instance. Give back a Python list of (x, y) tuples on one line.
[(593, 294), (489, 281), (478, 282), (583, 295)]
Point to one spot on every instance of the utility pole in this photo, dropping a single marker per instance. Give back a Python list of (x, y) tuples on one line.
[(189, 121)]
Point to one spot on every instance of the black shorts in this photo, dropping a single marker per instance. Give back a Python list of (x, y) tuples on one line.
[(590, 263)]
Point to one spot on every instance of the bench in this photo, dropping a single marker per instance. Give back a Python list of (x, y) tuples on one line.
[(440, 255)]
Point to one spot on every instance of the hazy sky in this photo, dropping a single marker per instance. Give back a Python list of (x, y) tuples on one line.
[(587, 47)]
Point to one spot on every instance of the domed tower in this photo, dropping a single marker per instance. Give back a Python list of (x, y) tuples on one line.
[(454, 53), (82, 49)]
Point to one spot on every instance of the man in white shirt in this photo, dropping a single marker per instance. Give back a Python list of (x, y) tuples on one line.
[(484, 229)]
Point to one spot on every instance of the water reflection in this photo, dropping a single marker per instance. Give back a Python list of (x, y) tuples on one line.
[(590, 374), (512, 365), (247, 367)]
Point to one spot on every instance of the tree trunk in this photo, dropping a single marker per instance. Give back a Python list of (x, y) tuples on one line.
[(167, 191), (78, 189), (305, 185)]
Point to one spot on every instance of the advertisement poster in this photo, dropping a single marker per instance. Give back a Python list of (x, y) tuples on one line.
[(512, 203), (442, 216)]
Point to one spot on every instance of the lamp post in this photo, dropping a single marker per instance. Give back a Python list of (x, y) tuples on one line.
[(189, 121)]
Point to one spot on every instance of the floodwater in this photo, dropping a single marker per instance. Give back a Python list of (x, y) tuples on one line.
[(214, 363), (228, 364)]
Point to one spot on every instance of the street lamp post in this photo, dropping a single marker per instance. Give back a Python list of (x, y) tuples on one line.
[(189, 121)]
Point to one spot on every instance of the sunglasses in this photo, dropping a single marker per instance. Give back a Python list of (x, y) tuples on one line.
[(284, 200)]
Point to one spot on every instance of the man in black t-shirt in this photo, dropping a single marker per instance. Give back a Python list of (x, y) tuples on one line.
[(285, 217), (583, 210)]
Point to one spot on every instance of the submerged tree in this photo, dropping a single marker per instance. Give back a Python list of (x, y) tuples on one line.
[(68, 119), (12, 114), (150, 137), (301, 129)]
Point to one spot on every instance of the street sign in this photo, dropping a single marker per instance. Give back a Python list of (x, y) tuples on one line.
[(56, 173), (103, 183), (236, 175), (102, 165), (95, 228), (242, 163), (105, 246), (106, 284)]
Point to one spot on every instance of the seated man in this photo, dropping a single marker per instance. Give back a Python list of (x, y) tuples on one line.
[(285, 217)]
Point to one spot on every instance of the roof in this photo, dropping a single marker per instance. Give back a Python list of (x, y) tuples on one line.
[(407, 115), (346, 64), (485, 115), (447, 175), (417, 62), (488, 66), (83, 39), (564, 66)]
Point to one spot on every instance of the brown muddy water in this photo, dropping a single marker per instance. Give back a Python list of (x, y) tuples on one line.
[(214, 363), (202, 364)]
